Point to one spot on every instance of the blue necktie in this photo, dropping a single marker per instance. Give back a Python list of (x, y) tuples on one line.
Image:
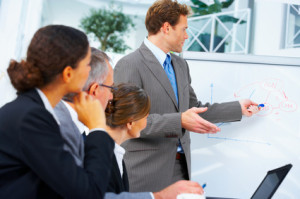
[(171, 75)]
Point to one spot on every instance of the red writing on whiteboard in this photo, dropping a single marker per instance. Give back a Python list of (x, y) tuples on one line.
[(269, 92)]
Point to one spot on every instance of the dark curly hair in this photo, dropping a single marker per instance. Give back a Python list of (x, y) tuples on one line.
[(130, 103), (163, 11), (51, 49)]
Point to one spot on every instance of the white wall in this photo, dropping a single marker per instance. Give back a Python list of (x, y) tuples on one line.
[(19, 19), (269, 32), (69, 12)]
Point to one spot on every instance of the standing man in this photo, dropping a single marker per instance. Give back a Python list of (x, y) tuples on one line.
[(162, 154)]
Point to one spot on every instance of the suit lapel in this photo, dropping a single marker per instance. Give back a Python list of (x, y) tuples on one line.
[(179, 79), (69, 131), (154, 66), (125, 177), (116, 178)]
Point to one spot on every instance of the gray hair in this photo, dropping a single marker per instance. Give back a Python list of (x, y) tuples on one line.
[(98, 72), (99, 68)]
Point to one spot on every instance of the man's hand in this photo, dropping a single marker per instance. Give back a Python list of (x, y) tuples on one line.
[(177, 188), (248, 107), (191, 121), (90, 111)]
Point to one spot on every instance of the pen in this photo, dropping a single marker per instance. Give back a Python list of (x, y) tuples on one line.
[(204, 185), (261, 105)]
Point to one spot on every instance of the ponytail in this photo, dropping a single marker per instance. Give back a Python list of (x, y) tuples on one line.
[(24, 76)]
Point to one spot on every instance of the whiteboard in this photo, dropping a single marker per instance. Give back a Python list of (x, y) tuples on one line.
[(234, 161)]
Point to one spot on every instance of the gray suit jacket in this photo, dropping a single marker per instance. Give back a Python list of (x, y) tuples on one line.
[(150, 159), (70, 133)]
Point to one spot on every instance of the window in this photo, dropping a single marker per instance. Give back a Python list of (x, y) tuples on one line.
[(292, 39)]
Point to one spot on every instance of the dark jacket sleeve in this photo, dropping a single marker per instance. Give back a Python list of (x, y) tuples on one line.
[(42, 150)]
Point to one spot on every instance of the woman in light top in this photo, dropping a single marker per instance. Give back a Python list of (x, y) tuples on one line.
[(126, 117)]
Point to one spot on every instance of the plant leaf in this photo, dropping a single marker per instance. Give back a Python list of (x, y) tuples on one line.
[(108, 27), (227, 3), (227, 18)]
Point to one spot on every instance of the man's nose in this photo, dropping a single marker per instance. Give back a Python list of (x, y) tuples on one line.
[(186, 35)]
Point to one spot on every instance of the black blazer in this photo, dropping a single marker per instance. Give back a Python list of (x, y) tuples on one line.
[(118, 184), (33, 163)]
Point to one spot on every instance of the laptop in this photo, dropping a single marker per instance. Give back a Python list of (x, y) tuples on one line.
[(269, 185)]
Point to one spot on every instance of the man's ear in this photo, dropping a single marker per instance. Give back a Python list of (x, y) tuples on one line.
[(67, 74), (93, 89), (166, 27)]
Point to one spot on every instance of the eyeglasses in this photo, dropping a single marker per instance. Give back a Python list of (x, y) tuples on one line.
[(111, 87)]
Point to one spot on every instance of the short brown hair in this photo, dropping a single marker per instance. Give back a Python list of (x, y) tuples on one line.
[(130, 103), (164, 11)]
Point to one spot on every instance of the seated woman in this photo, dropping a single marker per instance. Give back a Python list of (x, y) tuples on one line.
[(126, 117), (33, 162)]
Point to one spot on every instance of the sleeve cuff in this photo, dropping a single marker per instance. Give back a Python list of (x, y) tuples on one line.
[(151, 194)]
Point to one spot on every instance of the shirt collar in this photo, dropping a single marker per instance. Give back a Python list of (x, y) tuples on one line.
[(47, 104), (82, 128), (157, 52), (119, 153), (119, 150)]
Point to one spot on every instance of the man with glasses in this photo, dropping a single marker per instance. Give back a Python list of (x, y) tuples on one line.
[(100, 81), (99, 85)]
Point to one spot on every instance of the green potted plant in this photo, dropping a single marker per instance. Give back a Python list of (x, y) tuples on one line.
[(200, 8), (108, 26)]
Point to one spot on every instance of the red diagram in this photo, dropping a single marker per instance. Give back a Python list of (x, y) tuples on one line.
[(271, 93)]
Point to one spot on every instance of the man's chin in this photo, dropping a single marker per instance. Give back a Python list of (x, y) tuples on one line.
[(177, 50)]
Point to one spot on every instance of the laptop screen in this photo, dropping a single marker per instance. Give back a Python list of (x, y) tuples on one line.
[(271, 182)]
